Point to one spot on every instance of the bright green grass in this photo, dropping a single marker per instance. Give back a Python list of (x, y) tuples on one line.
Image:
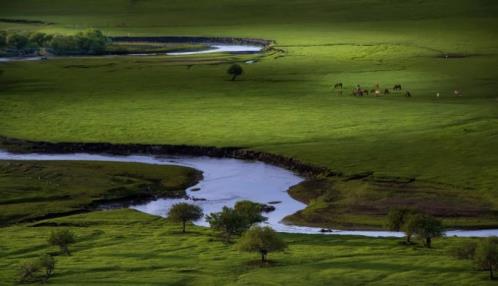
[(282, 105), (124, 247), (30, 190)]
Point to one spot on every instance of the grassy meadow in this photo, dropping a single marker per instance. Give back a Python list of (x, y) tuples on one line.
[(124, 247), (284, 103), (32, 190)]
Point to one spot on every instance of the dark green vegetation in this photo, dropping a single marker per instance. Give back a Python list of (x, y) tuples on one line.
[(124, 247), (183, 213), (262, 240), (234, 221), (91, 42), (31, 190), (285, 103)]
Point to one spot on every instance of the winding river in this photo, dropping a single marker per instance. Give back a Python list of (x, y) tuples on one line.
[(225, 182), (211, 48)]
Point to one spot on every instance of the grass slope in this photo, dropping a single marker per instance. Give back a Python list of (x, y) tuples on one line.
[(283, 105), (30, 189), (124, 247)]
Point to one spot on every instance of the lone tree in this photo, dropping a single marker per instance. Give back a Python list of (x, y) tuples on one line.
[(183, 212), (47, 262), (424, 226), (486, 255), (229, 222), (262, 240), (235, 70), (62, 239)]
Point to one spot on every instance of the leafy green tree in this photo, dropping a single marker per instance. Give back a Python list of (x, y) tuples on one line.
[(3, 39), (183, 212), (39, 39), (424, 226), (486, 255), (64, 45), (235, 70), (262, 240), (17, 41), (251, 210), (397, 217), (47, 262), (229, 222), (28, 272), (92, 42), (62, 239)]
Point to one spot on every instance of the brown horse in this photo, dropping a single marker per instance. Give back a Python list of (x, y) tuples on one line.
[(338, 85), (386, 91), (397, 87)]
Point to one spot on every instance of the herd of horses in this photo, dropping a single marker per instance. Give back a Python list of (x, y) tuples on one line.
[(376, 91)]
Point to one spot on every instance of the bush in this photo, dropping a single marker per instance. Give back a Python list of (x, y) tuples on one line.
[(18, 42), (28, 272), (39, 39), (61, 45), (465, 250), (235, 70), (62, 239), (3, 39), (91, 42), (486, 255)]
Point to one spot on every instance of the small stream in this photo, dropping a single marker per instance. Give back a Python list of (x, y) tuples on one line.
[(227, 181)]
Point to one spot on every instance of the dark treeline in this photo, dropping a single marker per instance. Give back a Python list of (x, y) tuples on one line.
[(90, 42)]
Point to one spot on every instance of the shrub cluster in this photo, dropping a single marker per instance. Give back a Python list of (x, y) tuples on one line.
[(90, 42)]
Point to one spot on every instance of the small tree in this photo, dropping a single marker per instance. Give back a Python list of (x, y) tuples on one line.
[(184, 213), (229, 222), (27, 272), (38, 39), (47, 262), (62, 239), (251, 210), (3, 39), (17, 41), (424, 226), (235, 70), (262, 240), (397, 217), (486, 255)]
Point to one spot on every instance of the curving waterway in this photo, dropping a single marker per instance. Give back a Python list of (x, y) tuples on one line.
[(211, 48), (225, 182)]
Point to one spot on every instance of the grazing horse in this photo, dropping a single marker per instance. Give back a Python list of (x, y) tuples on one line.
[(408, 94), (338, 85), (386, 91), (365, 91), (397, 87)]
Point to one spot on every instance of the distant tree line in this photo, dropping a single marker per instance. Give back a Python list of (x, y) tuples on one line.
[(90, 42)]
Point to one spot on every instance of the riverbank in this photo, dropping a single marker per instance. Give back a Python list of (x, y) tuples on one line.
[(329, 199), (36, 190)]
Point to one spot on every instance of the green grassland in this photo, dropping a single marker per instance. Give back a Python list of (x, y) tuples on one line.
[(124, 247), (32, 190), (284, 103)]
